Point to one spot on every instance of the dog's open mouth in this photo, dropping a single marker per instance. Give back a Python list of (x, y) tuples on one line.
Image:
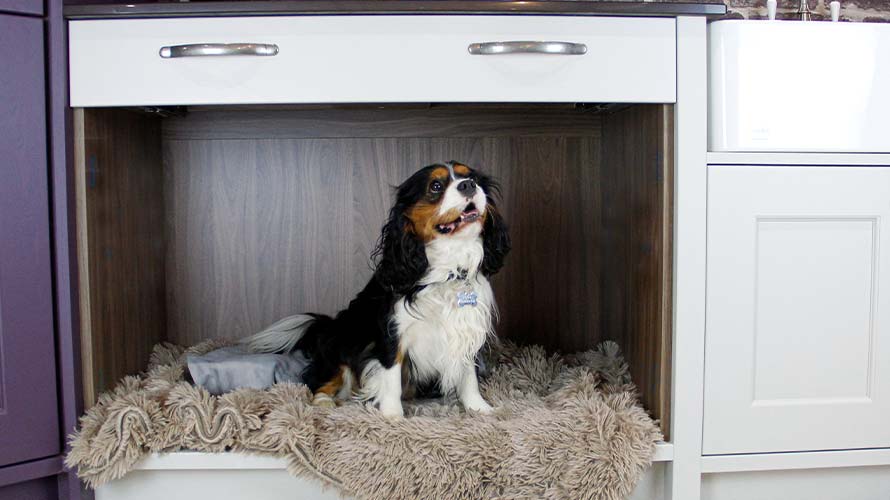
[(468, 216)]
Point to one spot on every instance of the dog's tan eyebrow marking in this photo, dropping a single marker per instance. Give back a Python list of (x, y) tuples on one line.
[(440, 172), (455, 169), (461, 169)]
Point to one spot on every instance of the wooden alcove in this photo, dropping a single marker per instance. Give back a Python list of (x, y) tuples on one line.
[(217, 221)]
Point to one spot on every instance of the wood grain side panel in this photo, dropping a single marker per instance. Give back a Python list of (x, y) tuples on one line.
[(636, 247), (87, 348), (661, 403), (123, 188)]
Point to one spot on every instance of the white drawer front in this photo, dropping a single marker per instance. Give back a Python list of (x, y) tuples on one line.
[(342, 59), (854, 483)]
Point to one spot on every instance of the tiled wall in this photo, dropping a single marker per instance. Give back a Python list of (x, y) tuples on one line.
[(851, 10)]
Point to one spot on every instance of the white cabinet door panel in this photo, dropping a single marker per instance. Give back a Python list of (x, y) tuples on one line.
[(798, 329)]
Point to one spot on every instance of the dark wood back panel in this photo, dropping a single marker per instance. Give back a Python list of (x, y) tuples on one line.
[(390, 121), (262, 229), (548, 291)]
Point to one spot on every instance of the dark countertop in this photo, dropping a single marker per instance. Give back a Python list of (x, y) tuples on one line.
[(394, 7)]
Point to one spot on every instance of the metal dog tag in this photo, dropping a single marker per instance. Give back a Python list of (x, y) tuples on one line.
[(466, 298)]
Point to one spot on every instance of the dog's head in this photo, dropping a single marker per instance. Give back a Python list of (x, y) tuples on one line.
[(448, 200)]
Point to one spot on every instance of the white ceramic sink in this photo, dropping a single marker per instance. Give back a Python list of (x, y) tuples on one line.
[(799, 86)]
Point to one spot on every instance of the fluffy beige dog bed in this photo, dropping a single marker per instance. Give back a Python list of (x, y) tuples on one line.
[(565, 427)]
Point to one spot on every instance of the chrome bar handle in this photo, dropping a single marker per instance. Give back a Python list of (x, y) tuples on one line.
[(218, 49), (527, 47)]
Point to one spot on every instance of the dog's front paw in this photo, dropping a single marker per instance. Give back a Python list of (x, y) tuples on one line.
[(479, 406), (323, 400), (392, 410)]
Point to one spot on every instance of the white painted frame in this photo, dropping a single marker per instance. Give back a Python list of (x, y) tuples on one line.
[(794, 461), (811, 159), (690, 231), (682, 478)]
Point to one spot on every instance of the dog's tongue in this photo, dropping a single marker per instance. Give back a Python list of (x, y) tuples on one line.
[(466, 217), (469, 215)]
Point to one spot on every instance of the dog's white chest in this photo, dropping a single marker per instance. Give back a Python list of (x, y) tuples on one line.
[(445, 326)]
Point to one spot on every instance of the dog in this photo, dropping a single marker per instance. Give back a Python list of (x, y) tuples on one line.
[(428, 309)]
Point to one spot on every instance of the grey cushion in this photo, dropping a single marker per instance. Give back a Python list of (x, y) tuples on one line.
[(231, 368)]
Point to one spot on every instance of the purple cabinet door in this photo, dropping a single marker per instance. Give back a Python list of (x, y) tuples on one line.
[(29, 416), (33, 7)]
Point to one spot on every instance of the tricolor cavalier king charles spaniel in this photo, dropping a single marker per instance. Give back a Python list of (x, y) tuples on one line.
[(428, 309)]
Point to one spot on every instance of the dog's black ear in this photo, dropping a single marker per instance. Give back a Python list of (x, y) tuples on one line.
[(495, 234), (400, 255), (495, 242)]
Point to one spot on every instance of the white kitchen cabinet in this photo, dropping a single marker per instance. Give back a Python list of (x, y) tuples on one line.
[(656, 63), (798, 309)]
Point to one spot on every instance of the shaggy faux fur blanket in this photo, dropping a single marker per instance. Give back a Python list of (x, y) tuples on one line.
[(564, 428)]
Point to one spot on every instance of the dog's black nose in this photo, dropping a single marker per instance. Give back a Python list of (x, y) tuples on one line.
[(467, 187)]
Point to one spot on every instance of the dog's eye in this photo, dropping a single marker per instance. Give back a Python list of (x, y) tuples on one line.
[(436, 187)]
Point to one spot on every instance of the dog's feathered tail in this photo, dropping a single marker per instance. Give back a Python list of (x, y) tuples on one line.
[(280, 337)]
